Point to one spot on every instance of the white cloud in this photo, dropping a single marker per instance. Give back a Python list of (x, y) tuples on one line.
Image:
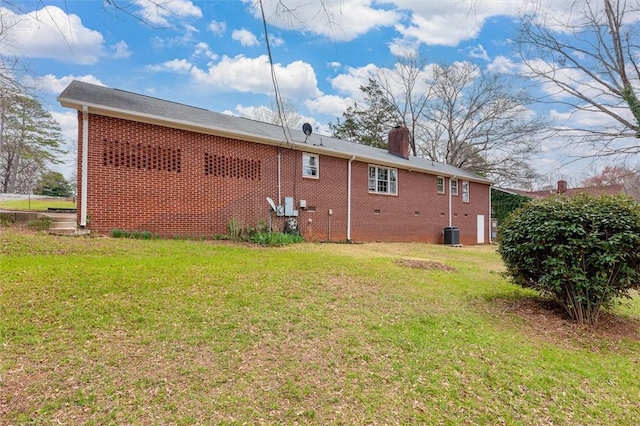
[(186, 36), (334, 65), (245, 37), (502, 65), (203, 49), (330, 105), (478, 52), (276, 41), (297, 81), (68, 122), (448, 23), (403, 47), (52, 84), (159, 13), (120, 50), (50, 33), (342, 20), (218, 28), (350, 82), (180, 66)]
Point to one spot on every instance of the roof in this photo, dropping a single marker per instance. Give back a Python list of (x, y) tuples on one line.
[(132, 106)]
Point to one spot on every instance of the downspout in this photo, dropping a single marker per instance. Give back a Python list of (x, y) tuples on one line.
[(279, 181), (450, 179), (349, 198), (490, 218), (85, 162)]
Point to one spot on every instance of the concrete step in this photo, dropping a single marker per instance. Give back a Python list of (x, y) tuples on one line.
[(63, 225), (63, 231)]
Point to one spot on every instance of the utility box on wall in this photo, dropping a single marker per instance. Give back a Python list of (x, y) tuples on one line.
[(288, 207)]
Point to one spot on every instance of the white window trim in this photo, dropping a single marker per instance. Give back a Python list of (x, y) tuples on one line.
[(444, 188), (375, 191), (454, 189), (306, 155), (465, 196)]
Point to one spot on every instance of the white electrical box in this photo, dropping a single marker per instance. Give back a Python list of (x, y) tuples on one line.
[(288, 207), (303, 204)]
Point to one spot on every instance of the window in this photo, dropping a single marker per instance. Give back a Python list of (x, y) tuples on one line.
[(454, 186), (465, 191), (440, 184), (310, 165), (383, 180)]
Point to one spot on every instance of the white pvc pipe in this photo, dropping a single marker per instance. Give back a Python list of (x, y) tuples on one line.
[(85, 162), (279, 181), (450, 220), (490, 219), (349, 199)]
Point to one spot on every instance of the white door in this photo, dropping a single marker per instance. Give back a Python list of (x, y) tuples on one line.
[(480, 229)]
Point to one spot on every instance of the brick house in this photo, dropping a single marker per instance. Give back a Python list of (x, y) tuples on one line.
[(152, 165), (562, 188)]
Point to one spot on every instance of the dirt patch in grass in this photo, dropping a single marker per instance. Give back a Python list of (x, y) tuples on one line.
[(547, 320), (428, 265)]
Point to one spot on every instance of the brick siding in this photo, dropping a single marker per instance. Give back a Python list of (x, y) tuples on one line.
[(174, 182)]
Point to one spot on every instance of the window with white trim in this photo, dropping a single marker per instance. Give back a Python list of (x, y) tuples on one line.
[(310, 164), (465, 191), (440, 184), (454, 187), (383, 180)]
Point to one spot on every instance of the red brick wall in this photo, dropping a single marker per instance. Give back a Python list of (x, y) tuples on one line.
[(189, 202)]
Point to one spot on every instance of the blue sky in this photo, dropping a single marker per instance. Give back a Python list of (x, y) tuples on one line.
[(212, 54)]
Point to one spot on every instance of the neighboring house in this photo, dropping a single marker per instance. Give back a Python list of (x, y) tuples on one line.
[(152, 165), (504, 201), (562, 188)]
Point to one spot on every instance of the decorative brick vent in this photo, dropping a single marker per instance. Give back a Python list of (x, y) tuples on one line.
[(232, 167), (137, 156)]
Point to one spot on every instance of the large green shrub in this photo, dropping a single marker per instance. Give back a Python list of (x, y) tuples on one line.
[(583, 251)]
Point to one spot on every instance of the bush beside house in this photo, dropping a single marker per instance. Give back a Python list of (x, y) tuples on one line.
[(583, 251)]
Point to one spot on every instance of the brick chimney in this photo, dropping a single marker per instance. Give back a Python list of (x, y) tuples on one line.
[(399, 142), (562, 186)]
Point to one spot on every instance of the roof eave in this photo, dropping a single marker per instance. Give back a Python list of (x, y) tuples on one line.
[(210, 130)]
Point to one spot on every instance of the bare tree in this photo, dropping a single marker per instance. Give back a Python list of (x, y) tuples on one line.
[(587, 60), (406, 89), (456, 115), (476, 121)]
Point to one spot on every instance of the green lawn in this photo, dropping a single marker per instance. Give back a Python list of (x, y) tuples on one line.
[(36, 204), (118, 331)]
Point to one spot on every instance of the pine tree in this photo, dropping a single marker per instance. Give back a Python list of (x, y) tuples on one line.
[(30, 141)]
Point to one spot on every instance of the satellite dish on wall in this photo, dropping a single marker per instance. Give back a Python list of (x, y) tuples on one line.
[(271, 203), (307, 129)]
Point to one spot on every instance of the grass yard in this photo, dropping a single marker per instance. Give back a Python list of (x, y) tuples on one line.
[(37, 204), (120, 331)]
